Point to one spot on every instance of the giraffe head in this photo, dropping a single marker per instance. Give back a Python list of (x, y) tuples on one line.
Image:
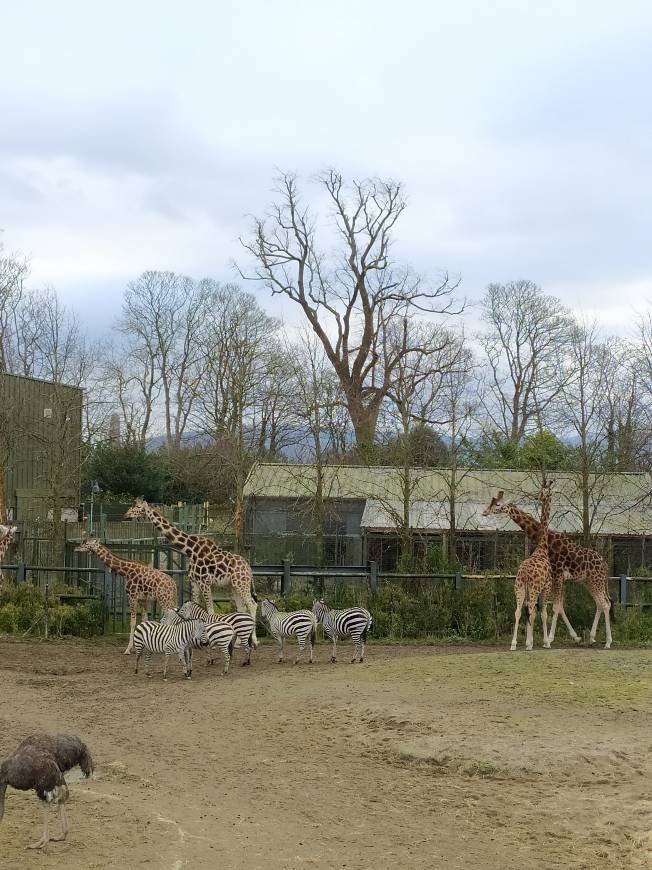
[(8, 533), (496, 505), (87, 545), (138, 510)]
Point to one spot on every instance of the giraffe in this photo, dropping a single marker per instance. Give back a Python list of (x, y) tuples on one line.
[(209, 566), (568, 561), (534, 577), (143, 584), (7, 535)]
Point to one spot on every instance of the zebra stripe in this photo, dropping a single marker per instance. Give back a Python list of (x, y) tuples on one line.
[(155, 637), (218, 635), (243, 625), (354, 622), (299, 623)]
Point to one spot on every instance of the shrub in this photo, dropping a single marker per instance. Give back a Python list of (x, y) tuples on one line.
[(23, 608)]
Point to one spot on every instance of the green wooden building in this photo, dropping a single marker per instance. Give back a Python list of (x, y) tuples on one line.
[(40, 448)]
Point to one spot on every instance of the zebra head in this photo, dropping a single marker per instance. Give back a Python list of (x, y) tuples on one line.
[(189, 610), (320, 609), (171, 616), (267, 608)]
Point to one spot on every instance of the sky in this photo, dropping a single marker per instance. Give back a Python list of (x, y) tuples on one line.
[(143, 135)]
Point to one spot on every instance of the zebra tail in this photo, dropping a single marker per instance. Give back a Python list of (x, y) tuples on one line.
[(313, 635), (364, 632)]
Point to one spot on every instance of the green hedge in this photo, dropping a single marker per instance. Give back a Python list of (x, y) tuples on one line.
[(483, 610), (23, 607)]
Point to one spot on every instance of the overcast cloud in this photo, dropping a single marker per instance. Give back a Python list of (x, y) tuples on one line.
[(139, 135)]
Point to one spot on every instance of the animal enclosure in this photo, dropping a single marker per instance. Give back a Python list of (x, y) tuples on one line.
[(421, 757)]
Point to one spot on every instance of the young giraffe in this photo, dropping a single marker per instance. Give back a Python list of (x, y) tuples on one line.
[(7, 534), (534, 578), (569, 561), (143, 584), (209, 566)]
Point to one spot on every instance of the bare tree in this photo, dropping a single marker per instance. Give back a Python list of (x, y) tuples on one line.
[(163, 313), (587, 406), (413, 409), (317, 404), (352, 299), (237, 343), (13, 272), (523, 340)]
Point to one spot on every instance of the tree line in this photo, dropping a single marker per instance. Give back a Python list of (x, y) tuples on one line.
[(196, 380)]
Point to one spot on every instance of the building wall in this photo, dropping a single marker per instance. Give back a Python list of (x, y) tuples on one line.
[(40, 439)]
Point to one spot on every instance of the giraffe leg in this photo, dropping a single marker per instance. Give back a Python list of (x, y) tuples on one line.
[(520, 597), (208, 599), (132, 629), (544, 623), (529, 635), (569, 627), (596, 620)]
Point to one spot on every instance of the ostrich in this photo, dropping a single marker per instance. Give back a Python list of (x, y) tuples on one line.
[(39, 763)]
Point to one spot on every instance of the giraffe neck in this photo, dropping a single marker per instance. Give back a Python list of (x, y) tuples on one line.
[(529, 525), (542, 542), (178, 537), (115, 563)]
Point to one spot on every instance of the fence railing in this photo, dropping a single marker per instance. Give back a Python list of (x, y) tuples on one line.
[(103, 584)]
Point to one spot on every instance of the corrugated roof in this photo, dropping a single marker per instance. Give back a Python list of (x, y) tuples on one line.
[(619, 503)]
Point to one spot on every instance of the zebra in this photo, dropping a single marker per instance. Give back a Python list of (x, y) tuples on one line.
[(218, 635), (243, 625), (300, 623), (155, 637), (354, 621)]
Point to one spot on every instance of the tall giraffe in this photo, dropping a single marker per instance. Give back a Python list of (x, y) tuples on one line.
[(569, 561), (534, 577), (7, 535), (143, 584), (209, 566)]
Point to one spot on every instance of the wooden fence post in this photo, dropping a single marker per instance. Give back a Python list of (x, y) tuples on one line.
[(21, 572), (458, 582), (373, 575), (623, 591), (286, 579)]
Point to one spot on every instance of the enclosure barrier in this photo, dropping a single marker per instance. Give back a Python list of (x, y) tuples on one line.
[(102, 585)]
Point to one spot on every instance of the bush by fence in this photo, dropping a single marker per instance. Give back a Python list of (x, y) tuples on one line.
[(25, 609)]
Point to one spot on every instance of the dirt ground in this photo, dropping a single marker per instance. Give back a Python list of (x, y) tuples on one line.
[(422, 757)]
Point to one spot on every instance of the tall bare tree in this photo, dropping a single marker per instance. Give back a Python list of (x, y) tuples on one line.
[(352, 298), (525, 332), (163, 313)]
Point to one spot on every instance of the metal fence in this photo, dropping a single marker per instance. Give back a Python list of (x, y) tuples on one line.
[(77, 584)]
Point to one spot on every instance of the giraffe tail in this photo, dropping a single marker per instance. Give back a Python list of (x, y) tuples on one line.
[(612, 612), (253, 589)]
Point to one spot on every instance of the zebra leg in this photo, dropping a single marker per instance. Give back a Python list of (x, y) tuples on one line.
[(137, 660), (148, 660), (280, 642), (357, 649), (301, 641), (165, 666), (333, 657), (227, 660), (248, 650)]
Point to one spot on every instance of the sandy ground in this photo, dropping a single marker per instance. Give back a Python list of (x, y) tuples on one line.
[(423, 757)]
